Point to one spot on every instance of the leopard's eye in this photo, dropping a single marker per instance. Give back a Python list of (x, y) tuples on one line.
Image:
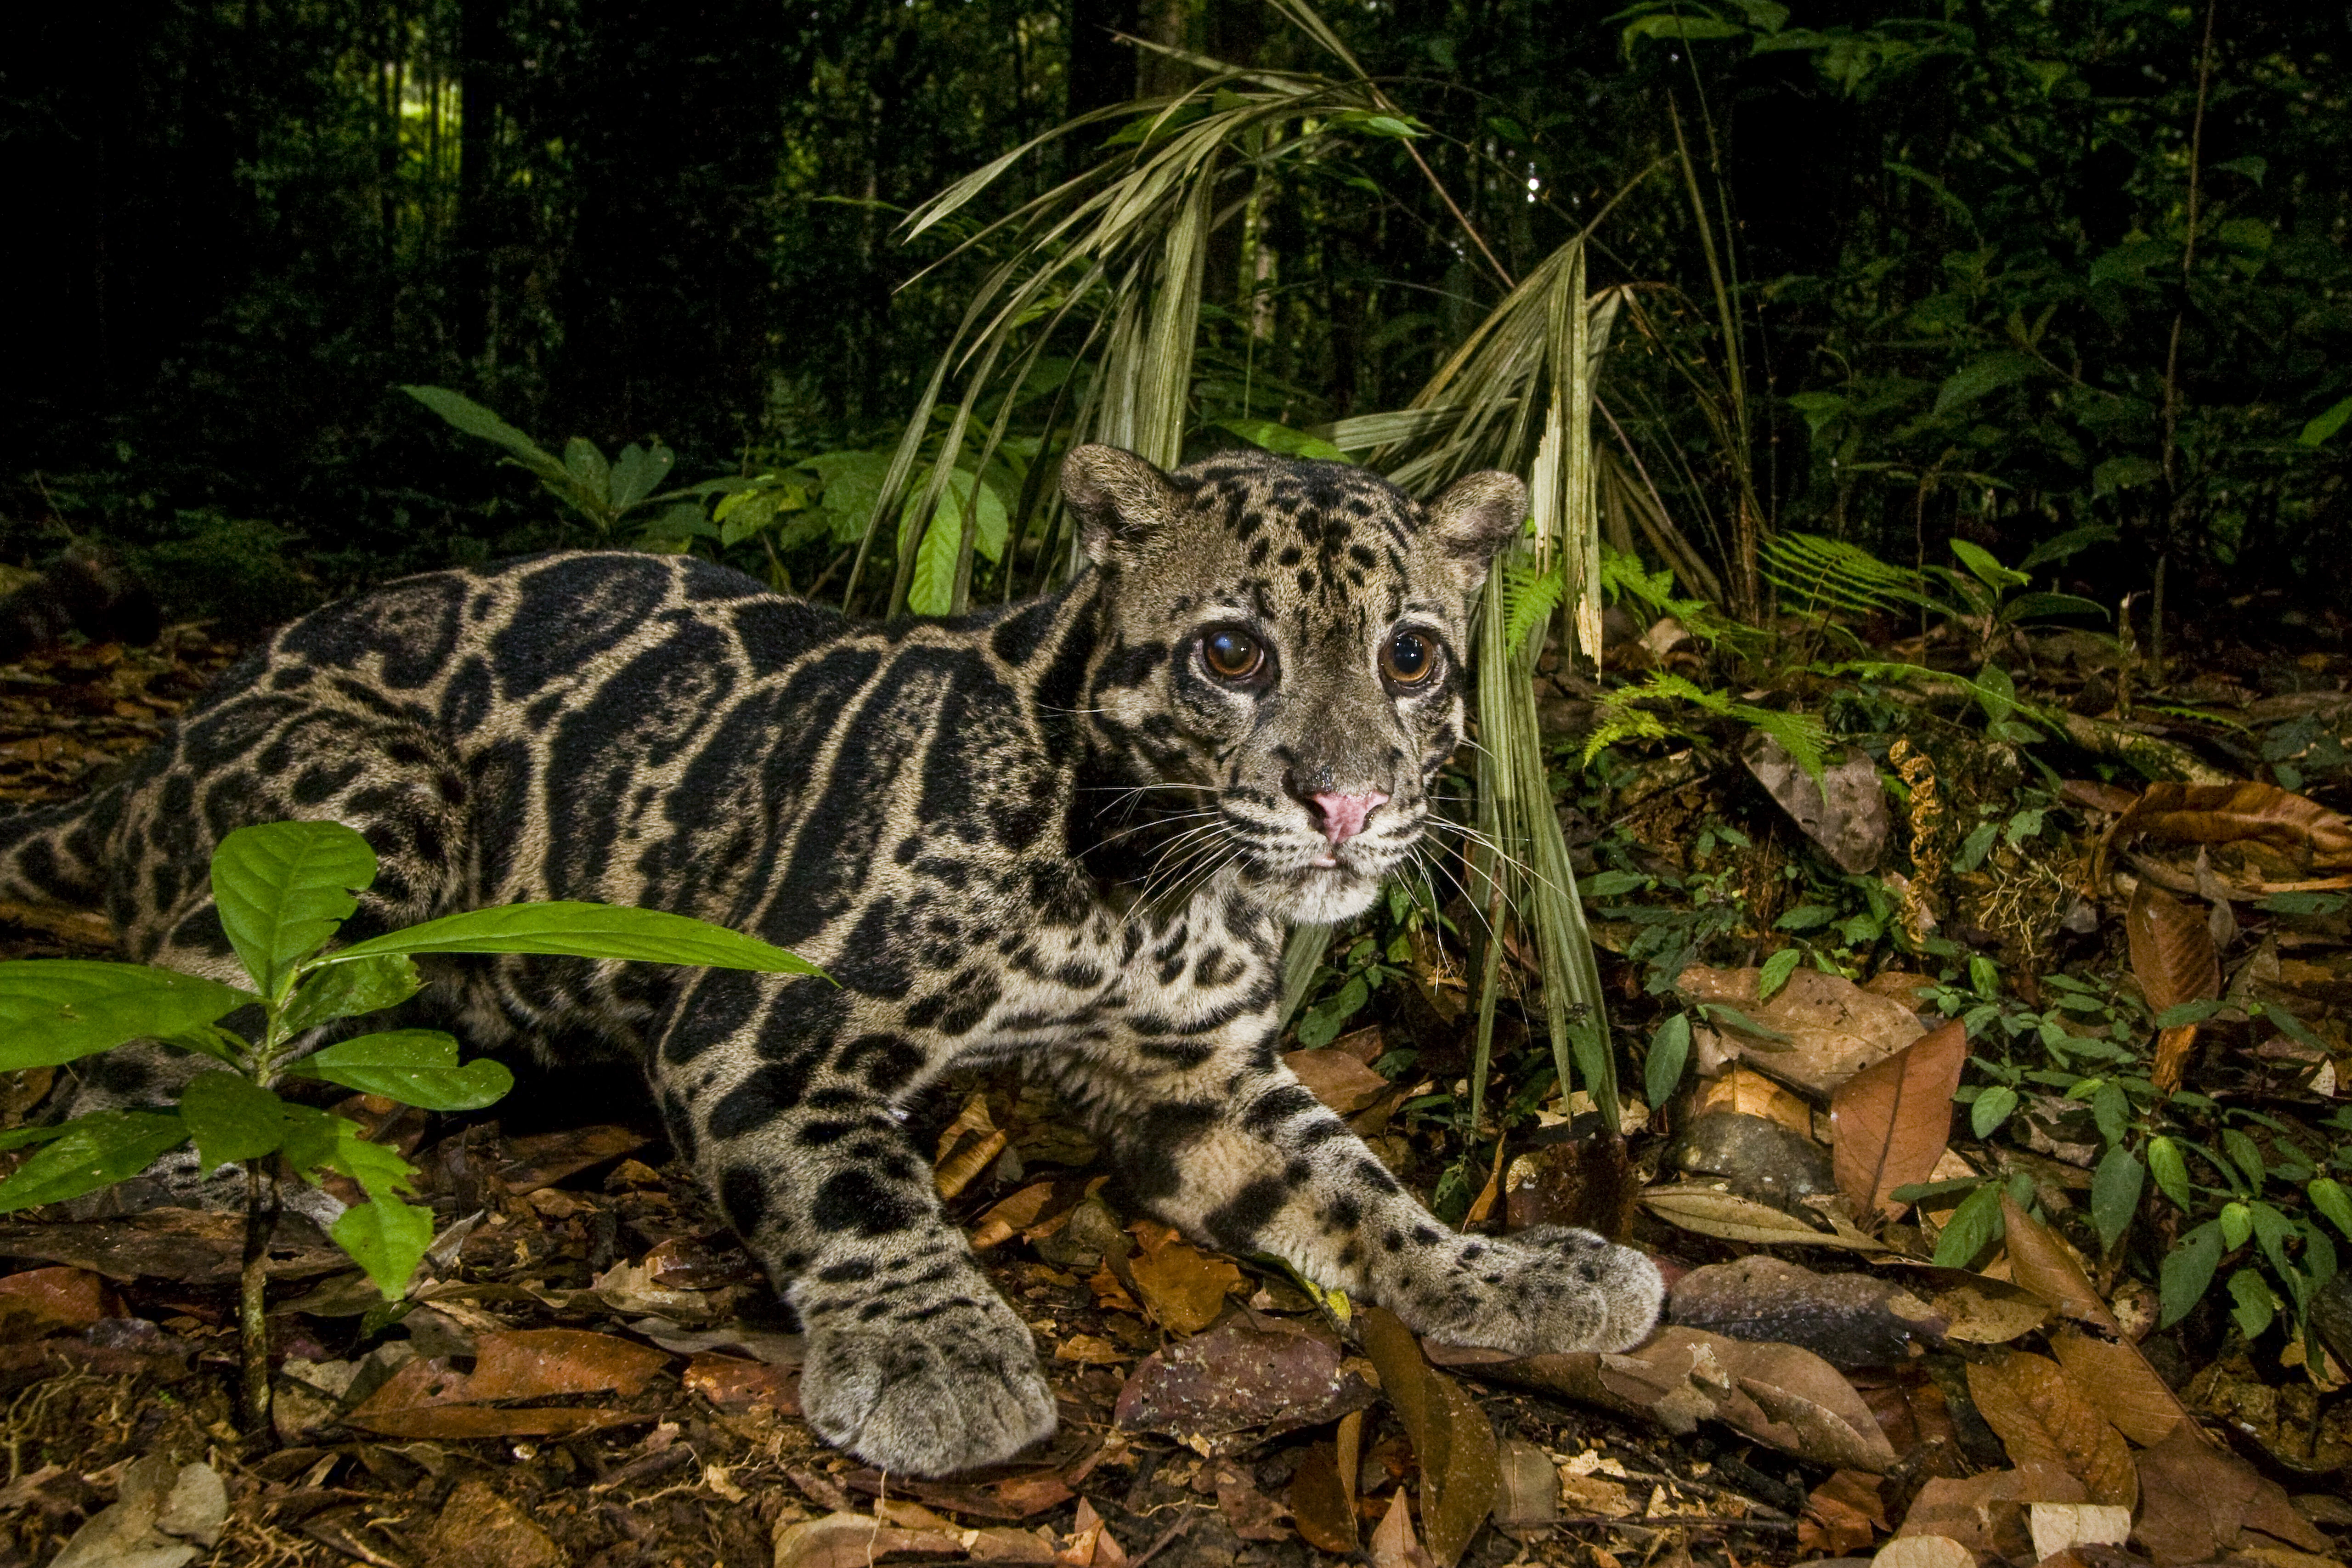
[(1231, 654), (1408, 658)]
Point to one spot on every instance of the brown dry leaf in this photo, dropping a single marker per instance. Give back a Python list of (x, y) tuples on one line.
[(1833, 1027), (1182, 1288), (1016, 1497), (1451, 1435), (736, 1386), (2041, 1262), (1843, 811), (43, 1301), (1589, 1181), (2223, 814), (2062, 1526), (1219, 1389), (1750, 1093), (1891, 1121), (477, 1526), (2113, 799), (1253, 1515), (2040, 1415), (1982, 1311), (1010, 1216), (1338, 1078), (1988, 1512), (1528, 1495), (543, 1158), (1090, 1350), (1393, 1544), (425, 1399), (1711, 1211), (2132, 1397), (1847, 1319), (1110, 1291), (193, 1247), (1924, 1552), (2200, 1500), (2172, 949), (1322, 1503), (853, 1541), (1842, 1515)]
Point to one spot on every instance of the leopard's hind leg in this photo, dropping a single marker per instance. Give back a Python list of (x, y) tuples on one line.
[(389, 779)]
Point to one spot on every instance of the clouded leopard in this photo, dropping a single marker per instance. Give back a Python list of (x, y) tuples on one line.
[(1069, 833)]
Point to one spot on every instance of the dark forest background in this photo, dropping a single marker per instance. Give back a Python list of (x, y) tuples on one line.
[(1996, 271)]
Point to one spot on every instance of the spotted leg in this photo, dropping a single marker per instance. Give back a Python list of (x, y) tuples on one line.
[(1225, 1143), (785, 1105)]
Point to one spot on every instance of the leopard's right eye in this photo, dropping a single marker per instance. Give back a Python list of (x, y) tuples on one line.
[(1231, 654)]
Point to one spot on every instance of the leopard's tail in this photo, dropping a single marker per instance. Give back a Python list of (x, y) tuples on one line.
[(56, 854)]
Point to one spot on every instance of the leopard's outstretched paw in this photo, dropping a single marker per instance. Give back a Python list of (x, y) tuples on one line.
[(950, 1393)]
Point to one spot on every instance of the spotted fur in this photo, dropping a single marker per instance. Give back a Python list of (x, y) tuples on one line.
[(1051, 833)]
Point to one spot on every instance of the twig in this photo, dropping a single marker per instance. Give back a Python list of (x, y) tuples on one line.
[(2187, 248), (1166, 1537)]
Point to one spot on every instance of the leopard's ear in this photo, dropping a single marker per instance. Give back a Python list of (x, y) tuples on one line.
[(1119, 499), (1475, 515)]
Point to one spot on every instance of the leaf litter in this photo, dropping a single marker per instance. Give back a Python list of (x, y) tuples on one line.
[(591, 1373)]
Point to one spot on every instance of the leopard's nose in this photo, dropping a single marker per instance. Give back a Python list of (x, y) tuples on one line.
[(1343, 814)]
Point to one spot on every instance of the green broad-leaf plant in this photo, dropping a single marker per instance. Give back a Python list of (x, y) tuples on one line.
[(283, 889)]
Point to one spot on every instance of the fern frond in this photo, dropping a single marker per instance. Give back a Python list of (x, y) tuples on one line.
[(1528, 599), (1832, 575)]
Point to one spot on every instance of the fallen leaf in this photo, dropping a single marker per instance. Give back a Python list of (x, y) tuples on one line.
[(193, 1247), (1842, 1515), (2039, 1415), (2199, 1500), (1184, 1288), (1710, 1211), (1988, 1512), (1003, 1543), (1596, 1496), (1393, 1544), (1528, 1495), (2041, 1262), (853, 1541), (425, 1398), (1754, 1157), (2062, 1526), (1228, 1385), (539, 1363), (1847, 1319), (1843, 811), (1891, 1121), (43, 1301), (478, 1529), (1338, 1077), (1982, 1311), (767, 1346), (2133, 1398), (2221, 814), (1014, 1496), (1451, 1435), (1924, 1552), (1322, 1503), (1749, 1093), (1090, 1350), (1253, 1515), (736, 1386), (2172, 952), (1012, 1216), (542, 1159), (1777, 1395), (1833, 1028), (1587, 1181)]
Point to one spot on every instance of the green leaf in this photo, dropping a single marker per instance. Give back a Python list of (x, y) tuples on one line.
[(1976, 846), (1281, 438), (53, 1010), (638, 472), (2114, 1195), (2039, 607), (18, 1137), (588, 469), (347, 990), (2237, 1225), (1988, 372), (2255, 1305), (1987, 567), (1992, 1108), (1669, 1053), (2187, 1271), (2326, 423), (283, 888), (930, 591), (90, 1153), (415, 1067), (566, 929), (386, 1239), (2127, 472), (476, 420), (1777, 970), (318, 1140), (2327, 1195), (2111, 1109), (2170, 1171), (2245, 1154), (231, 1117), (1974, 1225), (2196, 1012)]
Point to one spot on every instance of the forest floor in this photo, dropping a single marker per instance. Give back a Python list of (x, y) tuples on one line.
[(2128, 985)]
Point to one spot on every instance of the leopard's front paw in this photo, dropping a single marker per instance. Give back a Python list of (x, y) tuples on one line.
[(954, 1390), (1542, 1290)]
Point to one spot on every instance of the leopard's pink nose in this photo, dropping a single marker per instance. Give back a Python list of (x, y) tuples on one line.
[(1343, 814)]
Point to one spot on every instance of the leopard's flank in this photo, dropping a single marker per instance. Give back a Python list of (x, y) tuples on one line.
[(1070, 833)]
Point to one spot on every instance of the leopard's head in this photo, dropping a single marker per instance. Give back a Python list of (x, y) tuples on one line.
[(1282, 668)]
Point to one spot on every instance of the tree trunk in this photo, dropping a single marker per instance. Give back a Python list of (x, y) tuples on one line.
[(481, 31)]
